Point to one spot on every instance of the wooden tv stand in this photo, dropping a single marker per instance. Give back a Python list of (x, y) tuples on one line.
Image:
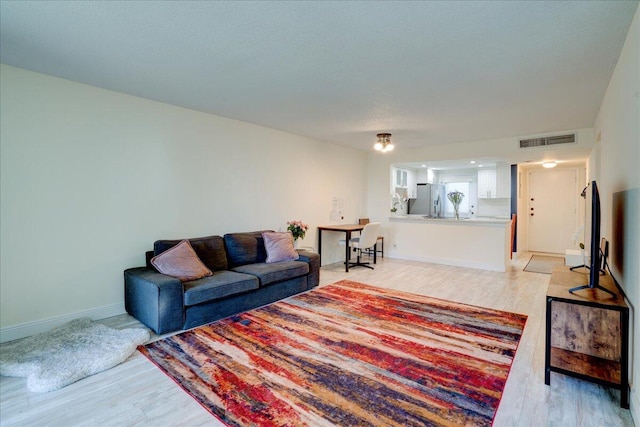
[(587, 333)]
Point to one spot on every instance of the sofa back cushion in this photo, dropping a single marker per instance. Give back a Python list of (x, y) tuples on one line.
[(210, 250), (245, 248)]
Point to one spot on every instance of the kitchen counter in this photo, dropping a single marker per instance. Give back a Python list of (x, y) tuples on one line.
[(483, 243), (449, 221)]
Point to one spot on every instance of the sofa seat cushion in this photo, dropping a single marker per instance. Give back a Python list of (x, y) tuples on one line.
[(220, 285), (275, 272)]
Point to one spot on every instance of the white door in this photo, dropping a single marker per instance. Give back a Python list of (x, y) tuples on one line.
[(552, 209)]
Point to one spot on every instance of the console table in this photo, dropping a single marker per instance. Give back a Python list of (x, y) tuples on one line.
[(587, 333)]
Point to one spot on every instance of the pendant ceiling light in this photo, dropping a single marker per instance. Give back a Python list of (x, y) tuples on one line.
[(384, 142)]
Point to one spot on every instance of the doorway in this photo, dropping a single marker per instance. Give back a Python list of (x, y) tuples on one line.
[(551, 209)]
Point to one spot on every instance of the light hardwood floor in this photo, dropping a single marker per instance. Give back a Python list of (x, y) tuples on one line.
[(136, 393)]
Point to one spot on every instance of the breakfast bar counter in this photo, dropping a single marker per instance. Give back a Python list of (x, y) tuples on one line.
[(480, 221), (483, 243)]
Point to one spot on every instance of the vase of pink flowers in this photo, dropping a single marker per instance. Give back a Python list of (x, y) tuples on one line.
[(298, 229)]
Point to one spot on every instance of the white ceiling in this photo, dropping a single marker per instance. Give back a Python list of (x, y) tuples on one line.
[(430, 73)]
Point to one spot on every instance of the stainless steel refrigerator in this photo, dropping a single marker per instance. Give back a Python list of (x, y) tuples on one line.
[(429, 201)]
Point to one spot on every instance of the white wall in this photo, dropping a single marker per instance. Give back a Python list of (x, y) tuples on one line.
[(90, 178), (617, 169)]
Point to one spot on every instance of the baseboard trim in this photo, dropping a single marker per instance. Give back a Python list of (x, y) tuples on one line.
[(27, 329), (446, 261)]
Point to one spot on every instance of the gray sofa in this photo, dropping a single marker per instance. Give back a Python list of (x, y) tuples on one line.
[(241, 281)]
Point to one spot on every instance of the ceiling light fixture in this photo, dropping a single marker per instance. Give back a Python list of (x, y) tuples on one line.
[(549, 165), (384, 142)]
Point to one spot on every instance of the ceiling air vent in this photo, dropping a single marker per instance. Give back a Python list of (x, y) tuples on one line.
[(549, 140)]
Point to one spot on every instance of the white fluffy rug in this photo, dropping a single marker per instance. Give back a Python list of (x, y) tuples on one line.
[(68, 353)]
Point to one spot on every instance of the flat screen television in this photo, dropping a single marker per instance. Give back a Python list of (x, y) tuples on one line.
[(597, 256), (595, 262)]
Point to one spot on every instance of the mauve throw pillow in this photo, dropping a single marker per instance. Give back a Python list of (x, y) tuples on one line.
[(279, 246), (181, 262)]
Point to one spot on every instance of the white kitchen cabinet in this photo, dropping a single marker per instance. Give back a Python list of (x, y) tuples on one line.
[(407, 180), (401, 178), (494, 182), (487, 183), (430, 176)]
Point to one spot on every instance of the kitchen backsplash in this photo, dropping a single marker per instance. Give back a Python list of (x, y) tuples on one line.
[(494, 208)]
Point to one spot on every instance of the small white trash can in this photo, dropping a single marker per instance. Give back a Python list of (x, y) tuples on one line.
[(573, 257)]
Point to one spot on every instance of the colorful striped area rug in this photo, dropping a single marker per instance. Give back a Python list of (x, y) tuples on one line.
[(347, 354)]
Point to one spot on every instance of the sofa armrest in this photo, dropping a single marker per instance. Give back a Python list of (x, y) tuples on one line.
[(314, 267), (154, 298)]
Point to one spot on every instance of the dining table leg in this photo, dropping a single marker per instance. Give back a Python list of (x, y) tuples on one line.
[(320, 246), (346, 253)]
